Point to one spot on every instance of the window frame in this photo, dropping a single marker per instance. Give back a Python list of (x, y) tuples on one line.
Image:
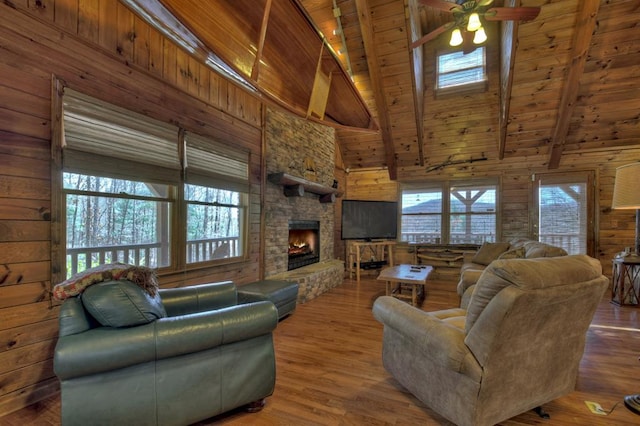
[(446, 214), (177, 206), (586, 177), (467, 87)]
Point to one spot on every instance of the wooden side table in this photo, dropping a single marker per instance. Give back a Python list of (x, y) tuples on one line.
[(625, 288)]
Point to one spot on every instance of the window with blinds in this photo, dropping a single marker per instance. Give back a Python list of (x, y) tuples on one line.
[(459, 71), (124, 176), (563, 211), (216, 196)]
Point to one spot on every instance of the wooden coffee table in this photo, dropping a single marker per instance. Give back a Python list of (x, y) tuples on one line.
[(411, 278)]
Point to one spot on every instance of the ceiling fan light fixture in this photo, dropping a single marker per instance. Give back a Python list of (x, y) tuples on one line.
[(456, 38), (474, 23), (480, 36)]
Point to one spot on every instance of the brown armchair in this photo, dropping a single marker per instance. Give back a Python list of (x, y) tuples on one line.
[(517, 346)]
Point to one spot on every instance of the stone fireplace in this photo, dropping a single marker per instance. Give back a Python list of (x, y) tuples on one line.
[(304, 243), (291, 143)]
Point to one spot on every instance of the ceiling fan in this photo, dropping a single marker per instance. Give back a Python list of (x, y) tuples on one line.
[(467, 26)]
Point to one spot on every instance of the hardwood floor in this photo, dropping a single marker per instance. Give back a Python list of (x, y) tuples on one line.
[(329, 369)]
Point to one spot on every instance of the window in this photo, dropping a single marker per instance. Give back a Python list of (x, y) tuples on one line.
[(457, 70), (129, 198), (422, 215), (214, 223), (563, 202), (473, 214), (468, 215), (115, 220)]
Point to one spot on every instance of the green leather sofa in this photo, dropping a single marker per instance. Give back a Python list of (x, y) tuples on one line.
[(125, 357)]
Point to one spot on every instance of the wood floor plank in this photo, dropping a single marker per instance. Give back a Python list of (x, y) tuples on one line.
[(329, 369)]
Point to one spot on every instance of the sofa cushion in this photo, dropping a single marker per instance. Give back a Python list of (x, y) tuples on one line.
[(121, 303), (528, 274), (537, 249), (517, 253), (489, 252)]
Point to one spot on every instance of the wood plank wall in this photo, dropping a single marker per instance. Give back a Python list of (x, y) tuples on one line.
[(104, 50), (614, 229)]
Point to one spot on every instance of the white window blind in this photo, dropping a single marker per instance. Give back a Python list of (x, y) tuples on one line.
[(458, 69), (102, 139), (209, 163), (563, 218)]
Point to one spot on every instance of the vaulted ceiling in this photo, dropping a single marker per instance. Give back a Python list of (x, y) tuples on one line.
[(570, 83), (566, 82)]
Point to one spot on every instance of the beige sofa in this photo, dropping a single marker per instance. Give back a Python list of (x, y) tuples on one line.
[(474, 263), (516, 347)]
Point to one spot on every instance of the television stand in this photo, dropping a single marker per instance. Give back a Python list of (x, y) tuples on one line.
[(364, 254)]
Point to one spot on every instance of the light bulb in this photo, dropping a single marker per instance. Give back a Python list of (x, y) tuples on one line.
[(480, 36), (456, 38), (474, 22)]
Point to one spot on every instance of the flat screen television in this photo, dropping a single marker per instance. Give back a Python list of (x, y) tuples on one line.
[(369, 220)]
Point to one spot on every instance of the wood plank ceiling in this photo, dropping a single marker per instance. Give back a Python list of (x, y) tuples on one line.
[(574, 83), (567, 81)]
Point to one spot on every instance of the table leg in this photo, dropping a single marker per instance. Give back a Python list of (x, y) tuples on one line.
[(357, 264)]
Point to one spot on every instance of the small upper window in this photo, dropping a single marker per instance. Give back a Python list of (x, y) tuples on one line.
[(460, 71)]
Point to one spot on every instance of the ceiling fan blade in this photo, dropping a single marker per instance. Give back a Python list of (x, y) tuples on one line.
[(445, 6), (511, 13), (433, 34), (484, 3)]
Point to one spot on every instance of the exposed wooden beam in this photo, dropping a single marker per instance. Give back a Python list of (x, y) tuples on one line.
[(507, 60), (366, 26), (417, 68), (263, 34), (585, 26)]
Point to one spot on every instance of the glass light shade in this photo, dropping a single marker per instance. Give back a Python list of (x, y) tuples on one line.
[(456, 38), (480, 36), (625, 190), (474, 22)]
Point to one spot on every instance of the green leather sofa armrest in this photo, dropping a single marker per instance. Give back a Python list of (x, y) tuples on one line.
[(105, 348), (199, 298), (439, 341)]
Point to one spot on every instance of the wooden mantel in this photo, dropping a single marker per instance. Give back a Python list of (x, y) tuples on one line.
[(296, 186)]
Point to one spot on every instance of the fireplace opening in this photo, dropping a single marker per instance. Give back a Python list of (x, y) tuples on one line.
[(304, 243)]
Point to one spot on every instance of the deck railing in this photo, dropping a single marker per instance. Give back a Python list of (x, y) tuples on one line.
[(152, 255), (435, 238), (572, 243)]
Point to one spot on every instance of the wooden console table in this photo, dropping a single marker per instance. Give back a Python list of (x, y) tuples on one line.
[(625, 288), (380, 250)]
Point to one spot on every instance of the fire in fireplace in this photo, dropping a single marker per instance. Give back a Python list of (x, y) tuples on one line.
[(304, 243)]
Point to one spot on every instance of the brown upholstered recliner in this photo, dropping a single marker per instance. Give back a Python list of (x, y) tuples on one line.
[(517, 346)]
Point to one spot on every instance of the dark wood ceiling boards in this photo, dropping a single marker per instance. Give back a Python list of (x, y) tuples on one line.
[(274, 47)]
